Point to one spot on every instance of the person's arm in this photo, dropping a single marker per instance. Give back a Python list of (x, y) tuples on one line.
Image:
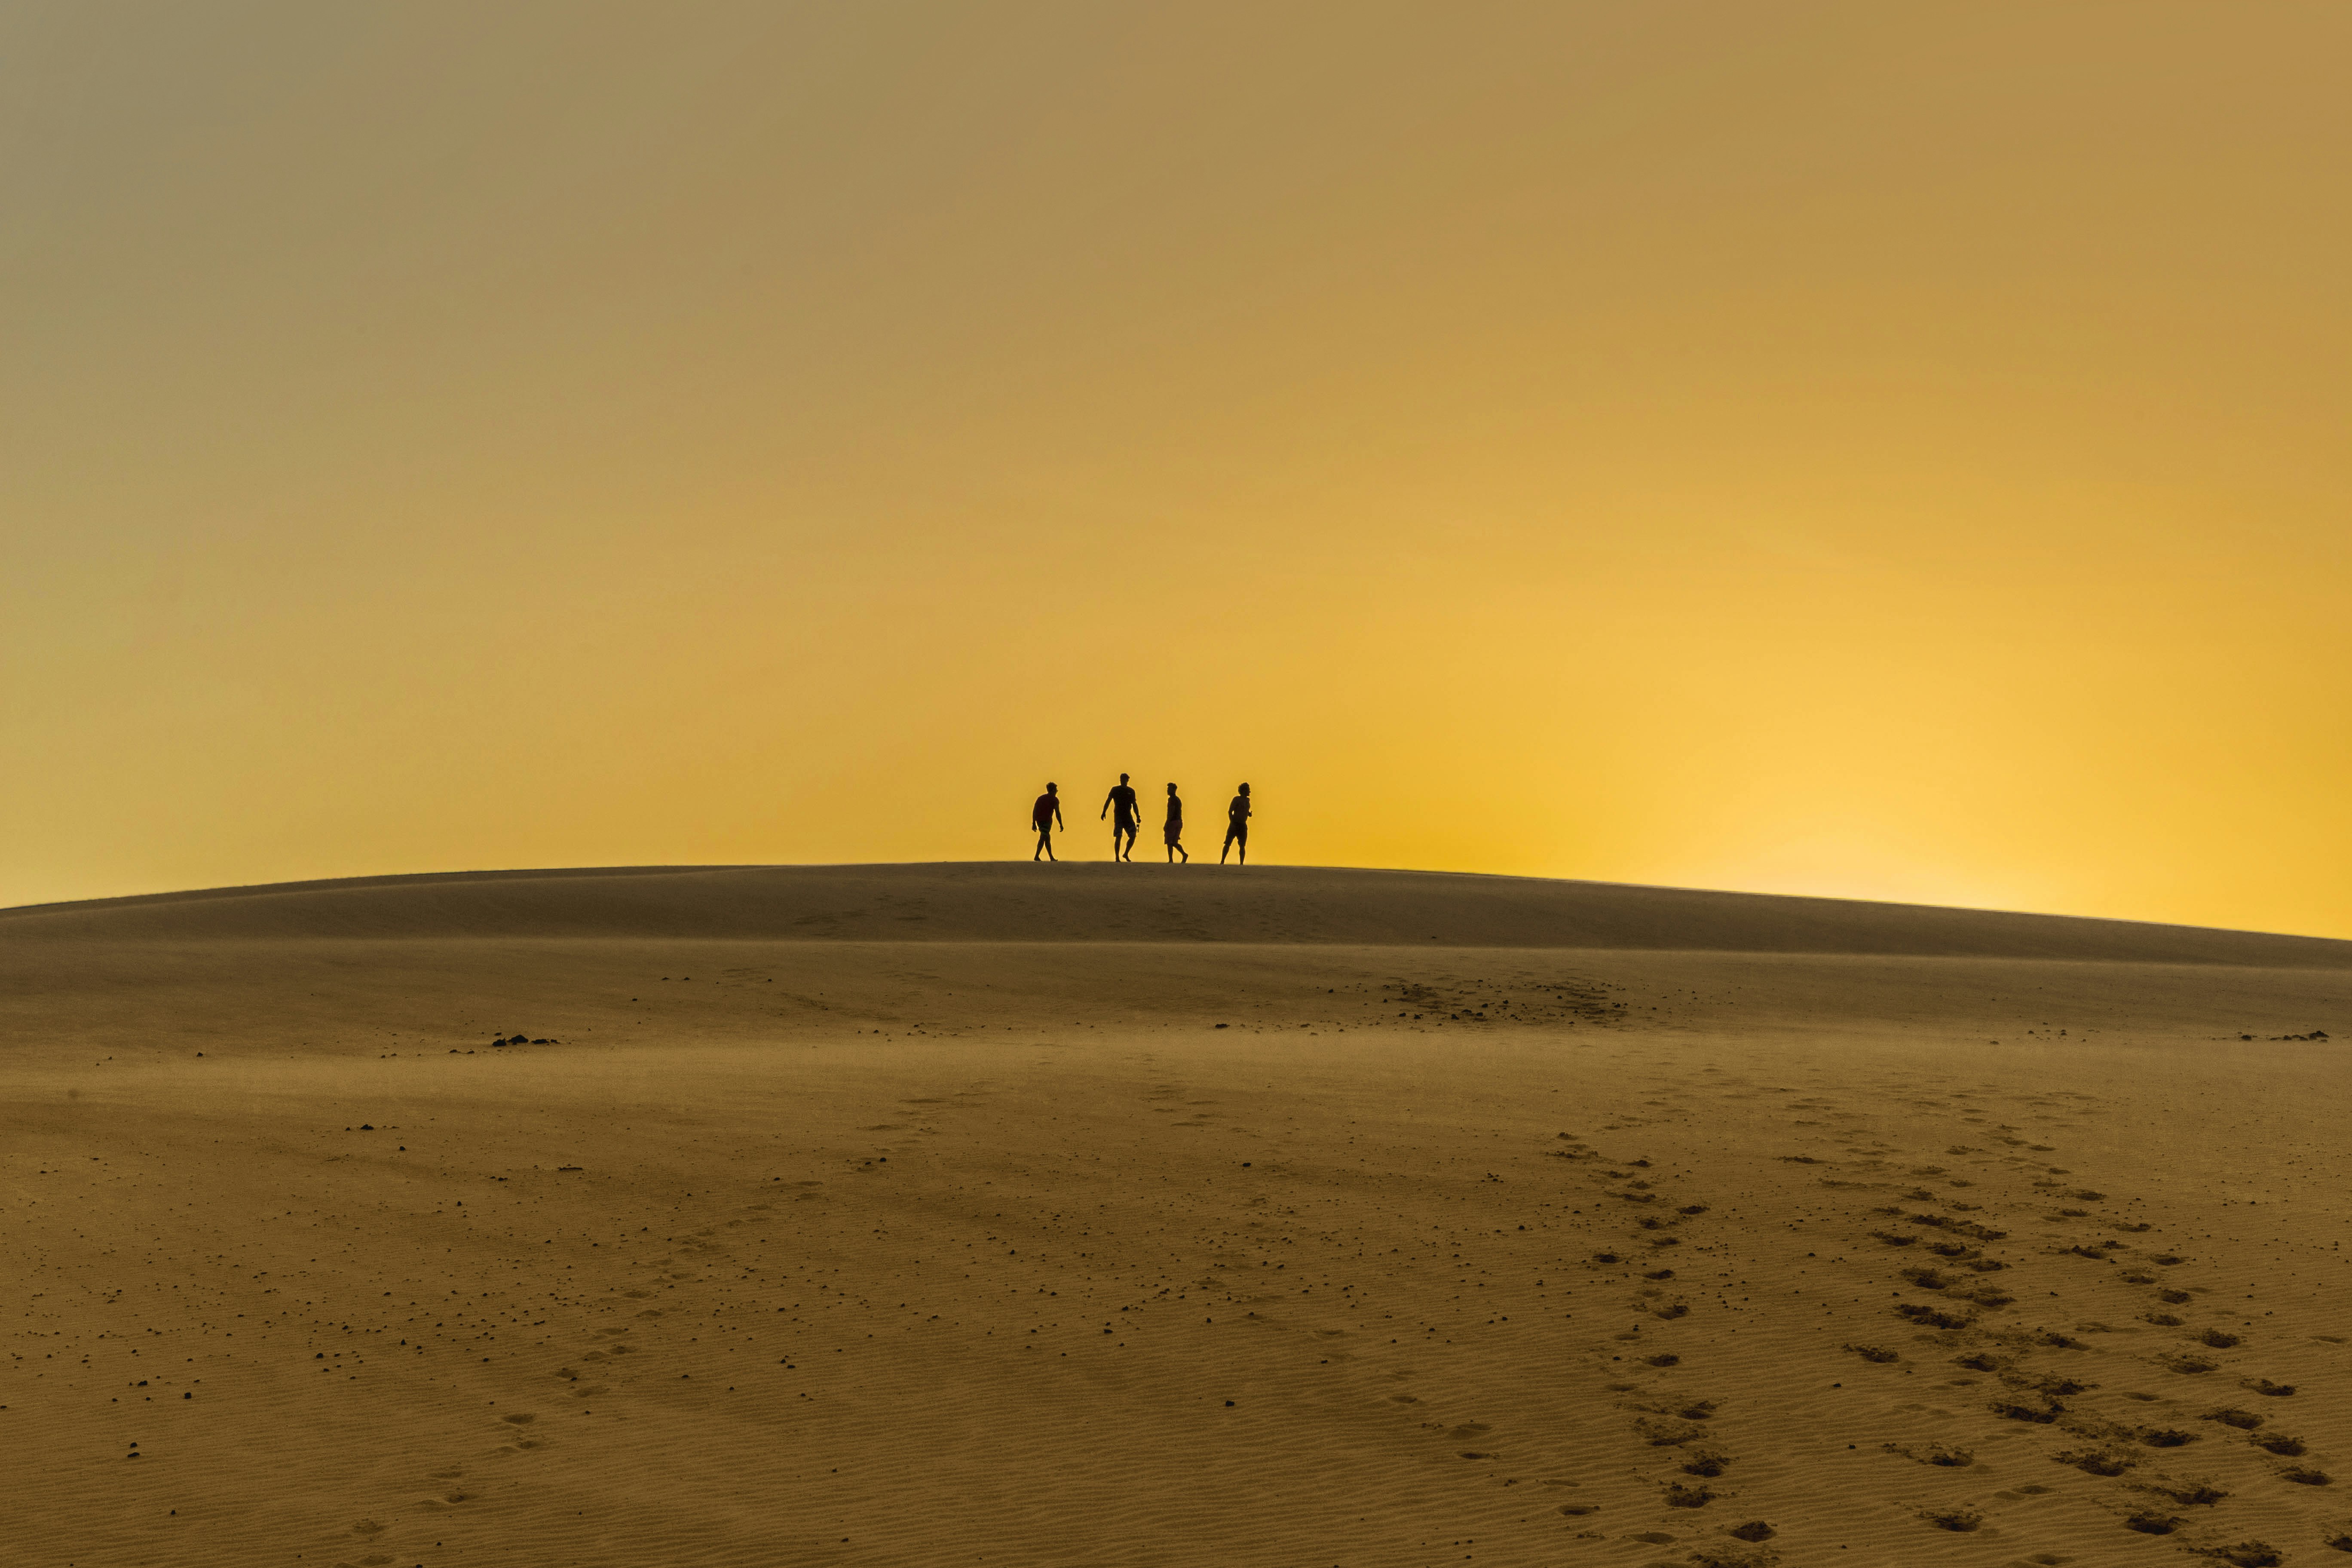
[(1105, 811), (1057, 817)]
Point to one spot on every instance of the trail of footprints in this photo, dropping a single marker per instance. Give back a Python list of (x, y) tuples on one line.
[(1675, 1428), (2034, 1388), (2032, 1376), (2038, 1373), (447, 1491)]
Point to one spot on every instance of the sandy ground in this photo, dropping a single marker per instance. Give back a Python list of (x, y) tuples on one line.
[(1091, 1216)]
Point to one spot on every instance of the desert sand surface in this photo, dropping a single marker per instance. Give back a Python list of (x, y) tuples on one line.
[(1082, 1214)]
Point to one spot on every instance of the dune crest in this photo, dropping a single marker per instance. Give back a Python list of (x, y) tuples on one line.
[(1018, 901)]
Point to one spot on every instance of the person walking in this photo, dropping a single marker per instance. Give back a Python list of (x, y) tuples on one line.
[(1237, 817), (1123, 826), (1174, 830), (1045, 816)]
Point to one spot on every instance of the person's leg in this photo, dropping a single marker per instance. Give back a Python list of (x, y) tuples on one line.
[(1241, 847)]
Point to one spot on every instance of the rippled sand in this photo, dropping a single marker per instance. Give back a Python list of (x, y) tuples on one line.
[(1085, 1214)]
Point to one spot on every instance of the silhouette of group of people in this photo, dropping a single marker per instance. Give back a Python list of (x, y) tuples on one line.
[(1126, 819)]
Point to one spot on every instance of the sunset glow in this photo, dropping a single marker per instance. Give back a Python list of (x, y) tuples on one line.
[(1887, 452)]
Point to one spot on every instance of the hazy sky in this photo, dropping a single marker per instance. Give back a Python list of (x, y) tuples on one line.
[(1902, 451)]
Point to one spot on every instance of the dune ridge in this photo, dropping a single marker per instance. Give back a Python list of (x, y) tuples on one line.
[(1083, 902)]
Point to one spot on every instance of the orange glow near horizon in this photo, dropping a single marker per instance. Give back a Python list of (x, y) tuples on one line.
[(1882, 452)]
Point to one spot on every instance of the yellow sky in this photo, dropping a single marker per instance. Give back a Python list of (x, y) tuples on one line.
[(1895, 451)]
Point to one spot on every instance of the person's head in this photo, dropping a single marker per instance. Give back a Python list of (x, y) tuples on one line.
[(1172, 789), (1245, 789), (1122, 778), (1050, 788)]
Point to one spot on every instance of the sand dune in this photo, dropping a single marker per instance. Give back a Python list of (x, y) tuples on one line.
[(1100, 902), (1000, 1214)]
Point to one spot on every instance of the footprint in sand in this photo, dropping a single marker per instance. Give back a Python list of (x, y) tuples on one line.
[(1940, 1454), (2164, 1436), (1961, 1520), (1667, 1433), (2199, 1494), (2244, 1554)]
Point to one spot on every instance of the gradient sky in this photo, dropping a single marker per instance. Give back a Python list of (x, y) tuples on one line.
[(1896, 451)]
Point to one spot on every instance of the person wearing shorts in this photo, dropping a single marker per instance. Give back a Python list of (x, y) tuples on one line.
[(1123, 826), (1045, 816), (1237, 817), (1173, 833)]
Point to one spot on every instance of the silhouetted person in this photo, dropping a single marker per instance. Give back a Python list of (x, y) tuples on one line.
[(1123, 826), (1174, 831), (1237, 817), (1045, 816)]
